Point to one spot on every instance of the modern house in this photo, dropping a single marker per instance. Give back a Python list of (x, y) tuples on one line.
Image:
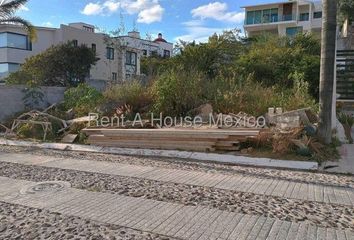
[(117, 63), (285, 18)]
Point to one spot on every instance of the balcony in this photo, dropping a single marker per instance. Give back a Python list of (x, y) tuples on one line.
[(270, 20)]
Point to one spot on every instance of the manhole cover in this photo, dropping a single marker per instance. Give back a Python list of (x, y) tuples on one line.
[(45, 187)]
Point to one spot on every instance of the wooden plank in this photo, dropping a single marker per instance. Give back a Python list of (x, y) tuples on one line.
[(147, 141), (156, 146), (69, 138), (154, 139), (108, 132)]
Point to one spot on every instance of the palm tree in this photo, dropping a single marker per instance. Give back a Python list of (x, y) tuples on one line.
[(327, 72), (7, 11)]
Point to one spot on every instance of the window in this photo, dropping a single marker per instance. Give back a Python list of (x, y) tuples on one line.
[(131, 58), (262, 16), (250, 17), (114, 76), (258, 17), (93, 47), (89, 29), (274, 15), (110, 53), (317, 15), (153, 53), (14, 40), (166, 53), (75, 43), (145, 52), (292, 31), (304, 17), (6, 68), (266, 16), (130, 63)]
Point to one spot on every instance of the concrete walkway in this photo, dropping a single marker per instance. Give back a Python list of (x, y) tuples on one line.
[(236, 182), (169, 219)]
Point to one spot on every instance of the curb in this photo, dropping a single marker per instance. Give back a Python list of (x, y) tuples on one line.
[(207, 157)]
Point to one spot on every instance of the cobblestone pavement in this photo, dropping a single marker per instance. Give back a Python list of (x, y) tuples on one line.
[(152, 201)]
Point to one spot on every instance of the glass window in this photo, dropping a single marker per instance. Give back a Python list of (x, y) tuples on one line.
[(13, 40), (317, 15), (145, 52), (6, 68), (304, 16), (258, 17), (292, 31), (114, 76), (3, 39), (250, 17), (166, 53), (131, 58), (110, 53), (274, 15), (266, 16), (16, 41)]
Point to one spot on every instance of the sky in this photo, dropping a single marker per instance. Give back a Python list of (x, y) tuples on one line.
[(176, 19)]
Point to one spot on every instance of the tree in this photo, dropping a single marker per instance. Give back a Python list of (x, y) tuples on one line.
[(273, 61), (346, 10), (61, 65), (328, 52), (7, 11)]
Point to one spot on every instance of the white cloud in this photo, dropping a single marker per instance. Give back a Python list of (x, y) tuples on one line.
[(218, 11), (148, 11), (47, 24), (92, 9), (111, 6), (193, 23), (150, 15), (199, 33)]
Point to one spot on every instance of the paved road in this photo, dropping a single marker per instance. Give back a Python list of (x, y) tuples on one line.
[(172, 219)]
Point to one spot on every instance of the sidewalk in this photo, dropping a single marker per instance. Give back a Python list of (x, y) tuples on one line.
[(236, 182), (168, 219)]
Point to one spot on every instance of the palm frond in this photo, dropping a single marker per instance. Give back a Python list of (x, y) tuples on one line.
[(24, 23), (7, 9)]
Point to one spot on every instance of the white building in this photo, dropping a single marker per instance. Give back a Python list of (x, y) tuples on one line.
[(158, 47), (284, 18), (117, 62)]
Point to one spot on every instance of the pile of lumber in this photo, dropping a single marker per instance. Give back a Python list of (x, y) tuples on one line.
[(204, 140)]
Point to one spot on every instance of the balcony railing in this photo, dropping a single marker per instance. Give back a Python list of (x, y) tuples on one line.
[(271, 19)]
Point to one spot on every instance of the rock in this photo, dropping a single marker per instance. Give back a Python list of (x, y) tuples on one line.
[(203, 111), (244, 151), (292, 119), (2, 227)]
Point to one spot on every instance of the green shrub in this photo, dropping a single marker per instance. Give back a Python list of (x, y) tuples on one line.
[(273, 61), (83, 99), (176, 92), (249, 97), (134, 94), (298, 96)]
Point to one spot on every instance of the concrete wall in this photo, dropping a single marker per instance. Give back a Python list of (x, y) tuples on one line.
[(11, 99)]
